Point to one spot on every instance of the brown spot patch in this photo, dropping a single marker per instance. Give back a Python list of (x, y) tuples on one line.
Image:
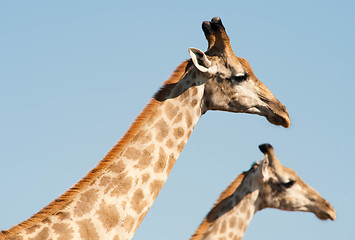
[(155, 187), (44, 234), (132, 153), (145, 177), (146, 138), (63, 230), (128, 223), (138, 202), (62, 216), (143, 136), (178, 132), (32, 229), (240, 224), (162, 130), (178, 118), (185, 102), (232, 222), (188, 119), (146, 157), (87, 230), (223, 227), (104, 181), (123, 185), (194, 102), (47, 221), (117, 167), (171, 110), (169, 143), (108, 215), (116, 238), (194, 91), (161, 163), (139, 135), (86, 202)]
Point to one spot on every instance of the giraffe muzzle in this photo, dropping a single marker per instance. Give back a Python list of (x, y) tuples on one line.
[(327, 212)]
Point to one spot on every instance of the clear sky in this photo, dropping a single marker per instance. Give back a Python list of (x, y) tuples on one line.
[(75, 74)]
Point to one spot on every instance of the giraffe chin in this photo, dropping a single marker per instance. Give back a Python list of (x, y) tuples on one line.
[(279, 121), (325, 215)]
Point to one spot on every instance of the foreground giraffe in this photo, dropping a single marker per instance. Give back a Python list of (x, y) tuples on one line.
[(111, 201), (267, 184)]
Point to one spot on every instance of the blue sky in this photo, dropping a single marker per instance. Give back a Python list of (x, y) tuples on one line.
[(74, 75)]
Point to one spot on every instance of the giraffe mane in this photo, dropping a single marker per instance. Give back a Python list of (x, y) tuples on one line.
[(211, 216), (115, 151)]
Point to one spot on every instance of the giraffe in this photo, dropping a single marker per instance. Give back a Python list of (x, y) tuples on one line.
[(267, 184), (111, 201)]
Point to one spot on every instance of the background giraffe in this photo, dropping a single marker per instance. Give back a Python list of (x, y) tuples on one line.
[(111, 201), (267, 184)]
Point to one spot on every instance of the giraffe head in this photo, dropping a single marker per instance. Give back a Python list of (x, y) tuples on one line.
[(231, 83), (282, 188)]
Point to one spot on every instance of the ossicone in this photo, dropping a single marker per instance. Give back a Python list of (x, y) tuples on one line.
[(266, 148)]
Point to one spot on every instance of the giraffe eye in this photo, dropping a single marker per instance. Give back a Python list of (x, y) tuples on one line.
[(288, 184), (240, 77)]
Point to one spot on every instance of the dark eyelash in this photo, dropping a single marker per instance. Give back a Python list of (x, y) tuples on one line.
[(288, 184), (240, 78)]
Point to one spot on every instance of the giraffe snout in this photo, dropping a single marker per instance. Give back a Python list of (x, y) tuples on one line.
[(326, 211)]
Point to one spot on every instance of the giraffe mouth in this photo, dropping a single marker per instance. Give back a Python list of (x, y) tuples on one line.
[(274, 115), (326, 216), (325, 212), (279, 120), (275, 112), (278, 115)]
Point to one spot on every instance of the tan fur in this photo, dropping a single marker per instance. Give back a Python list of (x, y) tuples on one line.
[(65, 198)]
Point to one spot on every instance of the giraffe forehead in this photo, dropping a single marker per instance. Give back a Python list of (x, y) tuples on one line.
[(232, 63), (288, 173), (245, 64)]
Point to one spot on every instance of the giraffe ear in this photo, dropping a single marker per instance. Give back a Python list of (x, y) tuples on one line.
[(271, 165), (201, 61), (265, 169)]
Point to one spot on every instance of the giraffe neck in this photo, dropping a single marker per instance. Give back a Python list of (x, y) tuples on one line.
[(232, 213), (112, 200)]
